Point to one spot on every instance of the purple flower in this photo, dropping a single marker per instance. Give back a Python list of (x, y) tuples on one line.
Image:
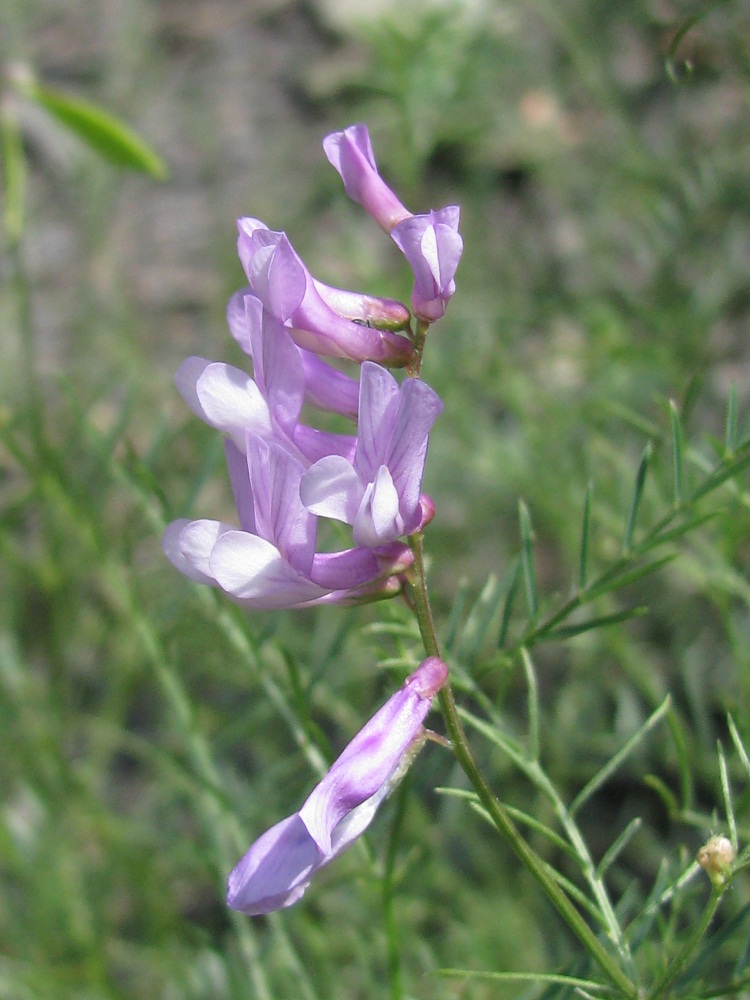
[(269, 405), (432, 245), (324, 386), (278, 868), (350, 152), (288, 291), (270, 562), (378, 491)]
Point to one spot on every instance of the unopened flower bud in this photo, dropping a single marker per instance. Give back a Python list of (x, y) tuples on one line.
[(716, 857)]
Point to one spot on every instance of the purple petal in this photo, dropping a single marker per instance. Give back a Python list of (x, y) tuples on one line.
[(239, 478), (237, 318), (276, 870), (280, 515), (277, 275), (378, 407), (350, 152), (383, 314), (282, 374), (372, 757), (419, 407), (328, 388), (315, 444), (278, 867), (432, 245), (279, 278), (354, 569)]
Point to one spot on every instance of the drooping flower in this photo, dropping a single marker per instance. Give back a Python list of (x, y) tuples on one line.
[(350, 152), (288, 291), (432, 245), (378, 491), (270, 561), (277, 869)]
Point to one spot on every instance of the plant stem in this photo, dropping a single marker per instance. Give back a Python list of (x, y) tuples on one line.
[(675, 967), (497, 812)]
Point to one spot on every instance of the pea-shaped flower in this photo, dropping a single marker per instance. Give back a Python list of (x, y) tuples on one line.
[(432, 245), (308, 309), (378, 491), (269, 561), (279, 866)]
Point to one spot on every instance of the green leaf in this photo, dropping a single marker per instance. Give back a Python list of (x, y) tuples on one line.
[(525, 977), (532, 701), (677, 449), (739, 745), (640, 481), (730, 427), (618, 846), (477, 625), (527, 557), (102, 131), (726, 792), (604, 773), (723, 472), (515, 574), (583, 558), (567, 631), (620, 577)]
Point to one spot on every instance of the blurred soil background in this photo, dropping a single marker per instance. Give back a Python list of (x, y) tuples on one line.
[(604, 183)]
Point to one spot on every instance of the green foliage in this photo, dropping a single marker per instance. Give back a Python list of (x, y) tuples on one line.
[(593, 363)]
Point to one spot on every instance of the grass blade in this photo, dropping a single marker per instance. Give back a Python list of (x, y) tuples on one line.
[(604, 621), (618, 846), (730, 427), (583, 557), (727, 794), (614, 762), (640, 481), (527, 557), (510, 598), (677, 453), (532, 703)]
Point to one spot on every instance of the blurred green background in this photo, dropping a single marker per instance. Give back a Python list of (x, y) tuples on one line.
[(147, 731)]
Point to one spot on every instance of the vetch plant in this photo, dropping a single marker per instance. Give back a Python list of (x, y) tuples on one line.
[(289, 477)]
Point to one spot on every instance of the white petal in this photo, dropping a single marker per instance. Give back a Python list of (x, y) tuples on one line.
[(232, 402), (378, 520), (253, 571), (188, 545), (332, 488)]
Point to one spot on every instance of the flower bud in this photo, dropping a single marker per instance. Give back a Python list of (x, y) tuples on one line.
[(716, 857)]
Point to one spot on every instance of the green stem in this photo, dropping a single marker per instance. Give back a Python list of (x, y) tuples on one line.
[(420, 336), (496, 811), (675, 967)]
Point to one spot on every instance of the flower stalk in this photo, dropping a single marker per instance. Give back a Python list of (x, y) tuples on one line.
[(500, 817)]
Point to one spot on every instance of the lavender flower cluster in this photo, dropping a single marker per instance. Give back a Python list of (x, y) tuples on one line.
[(286, 475)]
